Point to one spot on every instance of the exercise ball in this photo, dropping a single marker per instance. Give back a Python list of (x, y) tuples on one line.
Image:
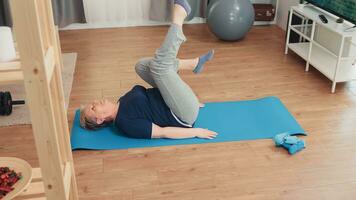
[(230, 20)]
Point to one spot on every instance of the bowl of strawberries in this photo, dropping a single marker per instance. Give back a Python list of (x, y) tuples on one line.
[(15, 177)]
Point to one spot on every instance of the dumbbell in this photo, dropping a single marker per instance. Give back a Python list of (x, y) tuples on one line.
[(6, 103)]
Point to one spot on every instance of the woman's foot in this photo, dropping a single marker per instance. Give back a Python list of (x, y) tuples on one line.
[(185, 5), (202, 60)]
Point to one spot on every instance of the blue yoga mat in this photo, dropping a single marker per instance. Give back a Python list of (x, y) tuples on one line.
[(234, 121)]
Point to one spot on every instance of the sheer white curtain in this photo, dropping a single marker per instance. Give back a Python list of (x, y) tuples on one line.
[(117, 12), (123, 13)]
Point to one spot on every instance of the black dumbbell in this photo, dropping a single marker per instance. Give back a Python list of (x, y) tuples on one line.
[(6, 103)]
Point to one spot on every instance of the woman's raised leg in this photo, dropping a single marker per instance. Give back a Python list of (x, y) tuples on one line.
[(177, 94), (143, 70)]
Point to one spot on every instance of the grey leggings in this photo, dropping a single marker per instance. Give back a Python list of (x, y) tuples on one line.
[(161, 72)]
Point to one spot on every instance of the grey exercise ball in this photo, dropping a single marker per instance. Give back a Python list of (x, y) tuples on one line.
[(230, 20)]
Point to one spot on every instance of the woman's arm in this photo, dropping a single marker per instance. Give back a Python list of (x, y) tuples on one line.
[(181, 133)]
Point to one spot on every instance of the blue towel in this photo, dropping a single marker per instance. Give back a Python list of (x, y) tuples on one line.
[(234, 121)]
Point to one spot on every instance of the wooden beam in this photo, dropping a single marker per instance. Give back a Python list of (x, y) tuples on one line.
[(10, 66), (67, 178), (49, 63), (39, 47), (34, 189), (32, 197), (36, 174), (15, 77), (29, 36)]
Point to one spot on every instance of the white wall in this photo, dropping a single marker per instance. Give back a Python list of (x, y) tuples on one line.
[(284, 7)]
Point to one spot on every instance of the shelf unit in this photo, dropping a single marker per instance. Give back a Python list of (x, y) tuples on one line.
[(38, 67), (11, 73), (36, 189), (336, 65), (275, 3)]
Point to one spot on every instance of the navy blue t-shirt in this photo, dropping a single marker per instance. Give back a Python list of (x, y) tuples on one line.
[(141, 107)]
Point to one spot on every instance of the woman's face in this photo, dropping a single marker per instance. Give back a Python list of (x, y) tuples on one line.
[(98, 111)]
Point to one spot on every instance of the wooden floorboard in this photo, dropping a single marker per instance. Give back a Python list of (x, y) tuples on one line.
[(252, 68)]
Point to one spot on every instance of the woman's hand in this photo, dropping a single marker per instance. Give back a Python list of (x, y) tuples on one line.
[(205, 134)]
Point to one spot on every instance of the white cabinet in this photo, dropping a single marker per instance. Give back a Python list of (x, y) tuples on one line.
[(327, 47)]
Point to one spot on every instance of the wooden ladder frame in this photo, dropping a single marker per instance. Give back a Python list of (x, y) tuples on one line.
[(39, 66)]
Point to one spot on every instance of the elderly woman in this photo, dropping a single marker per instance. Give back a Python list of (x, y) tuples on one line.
[(170, 108)]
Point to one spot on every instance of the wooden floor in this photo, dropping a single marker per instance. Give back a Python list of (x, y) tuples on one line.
[(253, 68)]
